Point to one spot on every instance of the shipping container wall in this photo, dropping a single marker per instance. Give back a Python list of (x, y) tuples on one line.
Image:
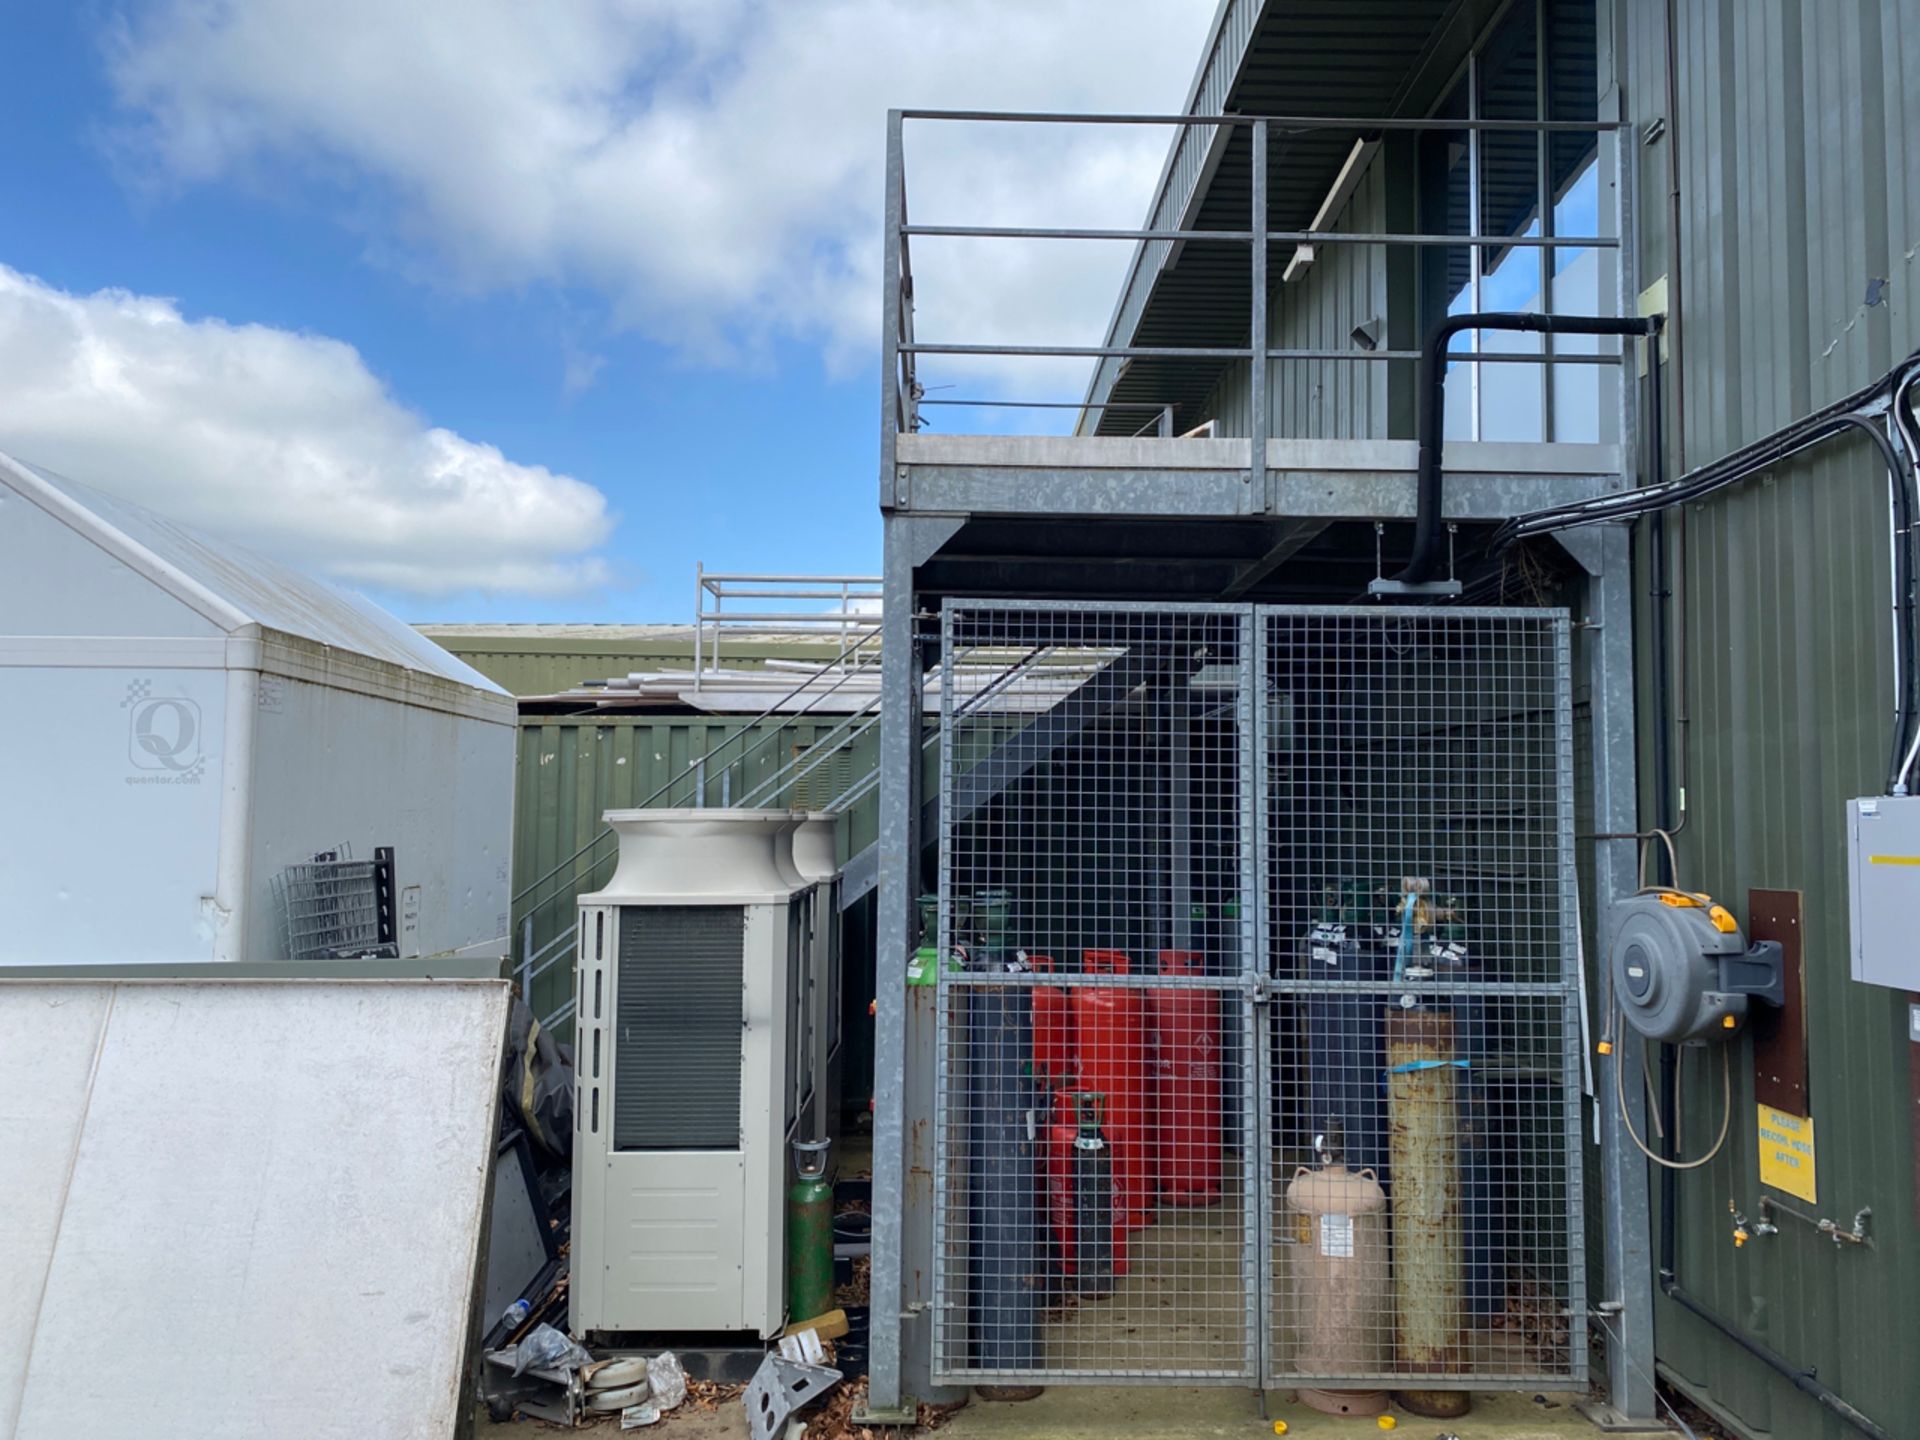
[(1799, 183)]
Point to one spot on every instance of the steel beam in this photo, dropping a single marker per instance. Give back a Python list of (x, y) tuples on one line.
[(1147, 476), (1626, 1227), (892, 491), (1260, 424), (1292, 537), (1301, 495)]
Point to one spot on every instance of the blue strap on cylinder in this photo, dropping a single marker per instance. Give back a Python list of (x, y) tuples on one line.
[(1412, 1065)]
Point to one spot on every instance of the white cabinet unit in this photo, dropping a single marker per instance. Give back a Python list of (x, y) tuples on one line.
[(692, 1066)]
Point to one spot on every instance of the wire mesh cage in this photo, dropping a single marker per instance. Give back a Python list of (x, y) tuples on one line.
[(334, 907), (1257, 1037)]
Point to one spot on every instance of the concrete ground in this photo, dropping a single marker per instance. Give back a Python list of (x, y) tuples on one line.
[(1154, 1413), (1178, 1256)]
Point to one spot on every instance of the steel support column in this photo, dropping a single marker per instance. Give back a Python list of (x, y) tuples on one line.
[(1626, 1303), (903, 1071)]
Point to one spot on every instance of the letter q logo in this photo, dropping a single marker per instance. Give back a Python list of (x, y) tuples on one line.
[(164, 733)]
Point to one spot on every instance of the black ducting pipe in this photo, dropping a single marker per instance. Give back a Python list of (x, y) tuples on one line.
[(1429, 521)]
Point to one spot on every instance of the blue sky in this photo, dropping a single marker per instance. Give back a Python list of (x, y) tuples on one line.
[(503, 323)]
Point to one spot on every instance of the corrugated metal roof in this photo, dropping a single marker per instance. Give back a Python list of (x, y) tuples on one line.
[(229, 584), (1364, 58), (538, 660)]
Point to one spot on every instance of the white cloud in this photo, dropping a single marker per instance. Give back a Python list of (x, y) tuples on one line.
[(286, 441), (714, 168)]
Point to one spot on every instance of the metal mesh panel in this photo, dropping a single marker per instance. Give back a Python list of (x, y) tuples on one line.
[(1257, 1032), (1423, 1035), (677, 1019), (1096, 1191), (331, 908)]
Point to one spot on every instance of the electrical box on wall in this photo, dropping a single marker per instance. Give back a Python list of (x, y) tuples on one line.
[(1883, 889)]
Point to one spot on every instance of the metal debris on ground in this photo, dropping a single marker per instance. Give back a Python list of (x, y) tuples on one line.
[(617, 1373), (606, 1402), (780, 1388), (553, 1395), (668, 1378), (804, 1348)]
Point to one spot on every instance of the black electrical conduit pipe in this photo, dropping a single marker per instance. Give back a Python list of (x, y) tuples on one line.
[(1730, 469), (1429, 522), (1892, 391)]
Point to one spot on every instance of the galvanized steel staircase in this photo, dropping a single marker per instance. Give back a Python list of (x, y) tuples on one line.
[(545, 906)]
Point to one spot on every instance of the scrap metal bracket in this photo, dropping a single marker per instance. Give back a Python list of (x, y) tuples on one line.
[(779, 1388)]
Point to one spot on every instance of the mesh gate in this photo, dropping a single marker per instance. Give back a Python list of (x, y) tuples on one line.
[(1422, 1076), (1257, 1043)]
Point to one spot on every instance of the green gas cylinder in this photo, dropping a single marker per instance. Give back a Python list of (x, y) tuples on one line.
[(809, 1233)]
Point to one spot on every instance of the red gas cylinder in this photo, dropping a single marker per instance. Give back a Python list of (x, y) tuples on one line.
[(1187, 1084), (1110, 1024), (1063, 1201), (1052, 1029)]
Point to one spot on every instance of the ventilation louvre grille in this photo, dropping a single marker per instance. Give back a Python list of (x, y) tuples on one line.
[(677, 1028)]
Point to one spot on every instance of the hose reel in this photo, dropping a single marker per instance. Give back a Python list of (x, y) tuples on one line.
[(1683, 971)]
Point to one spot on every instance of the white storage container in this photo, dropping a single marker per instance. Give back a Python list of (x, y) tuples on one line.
[(185, 720)]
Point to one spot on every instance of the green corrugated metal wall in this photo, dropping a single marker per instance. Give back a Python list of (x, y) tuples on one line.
[(1800, 183)]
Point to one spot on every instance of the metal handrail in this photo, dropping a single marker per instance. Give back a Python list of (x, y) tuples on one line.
[(1280, 122), (718, 587), (820, 749), (845, 733), (901, 388)]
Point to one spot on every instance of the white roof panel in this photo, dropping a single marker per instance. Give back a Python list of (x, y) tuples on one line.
[(231, 585)]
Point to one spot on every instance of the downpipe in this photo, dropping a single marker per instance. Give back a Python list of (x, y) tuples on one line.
[(1429, 525)]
